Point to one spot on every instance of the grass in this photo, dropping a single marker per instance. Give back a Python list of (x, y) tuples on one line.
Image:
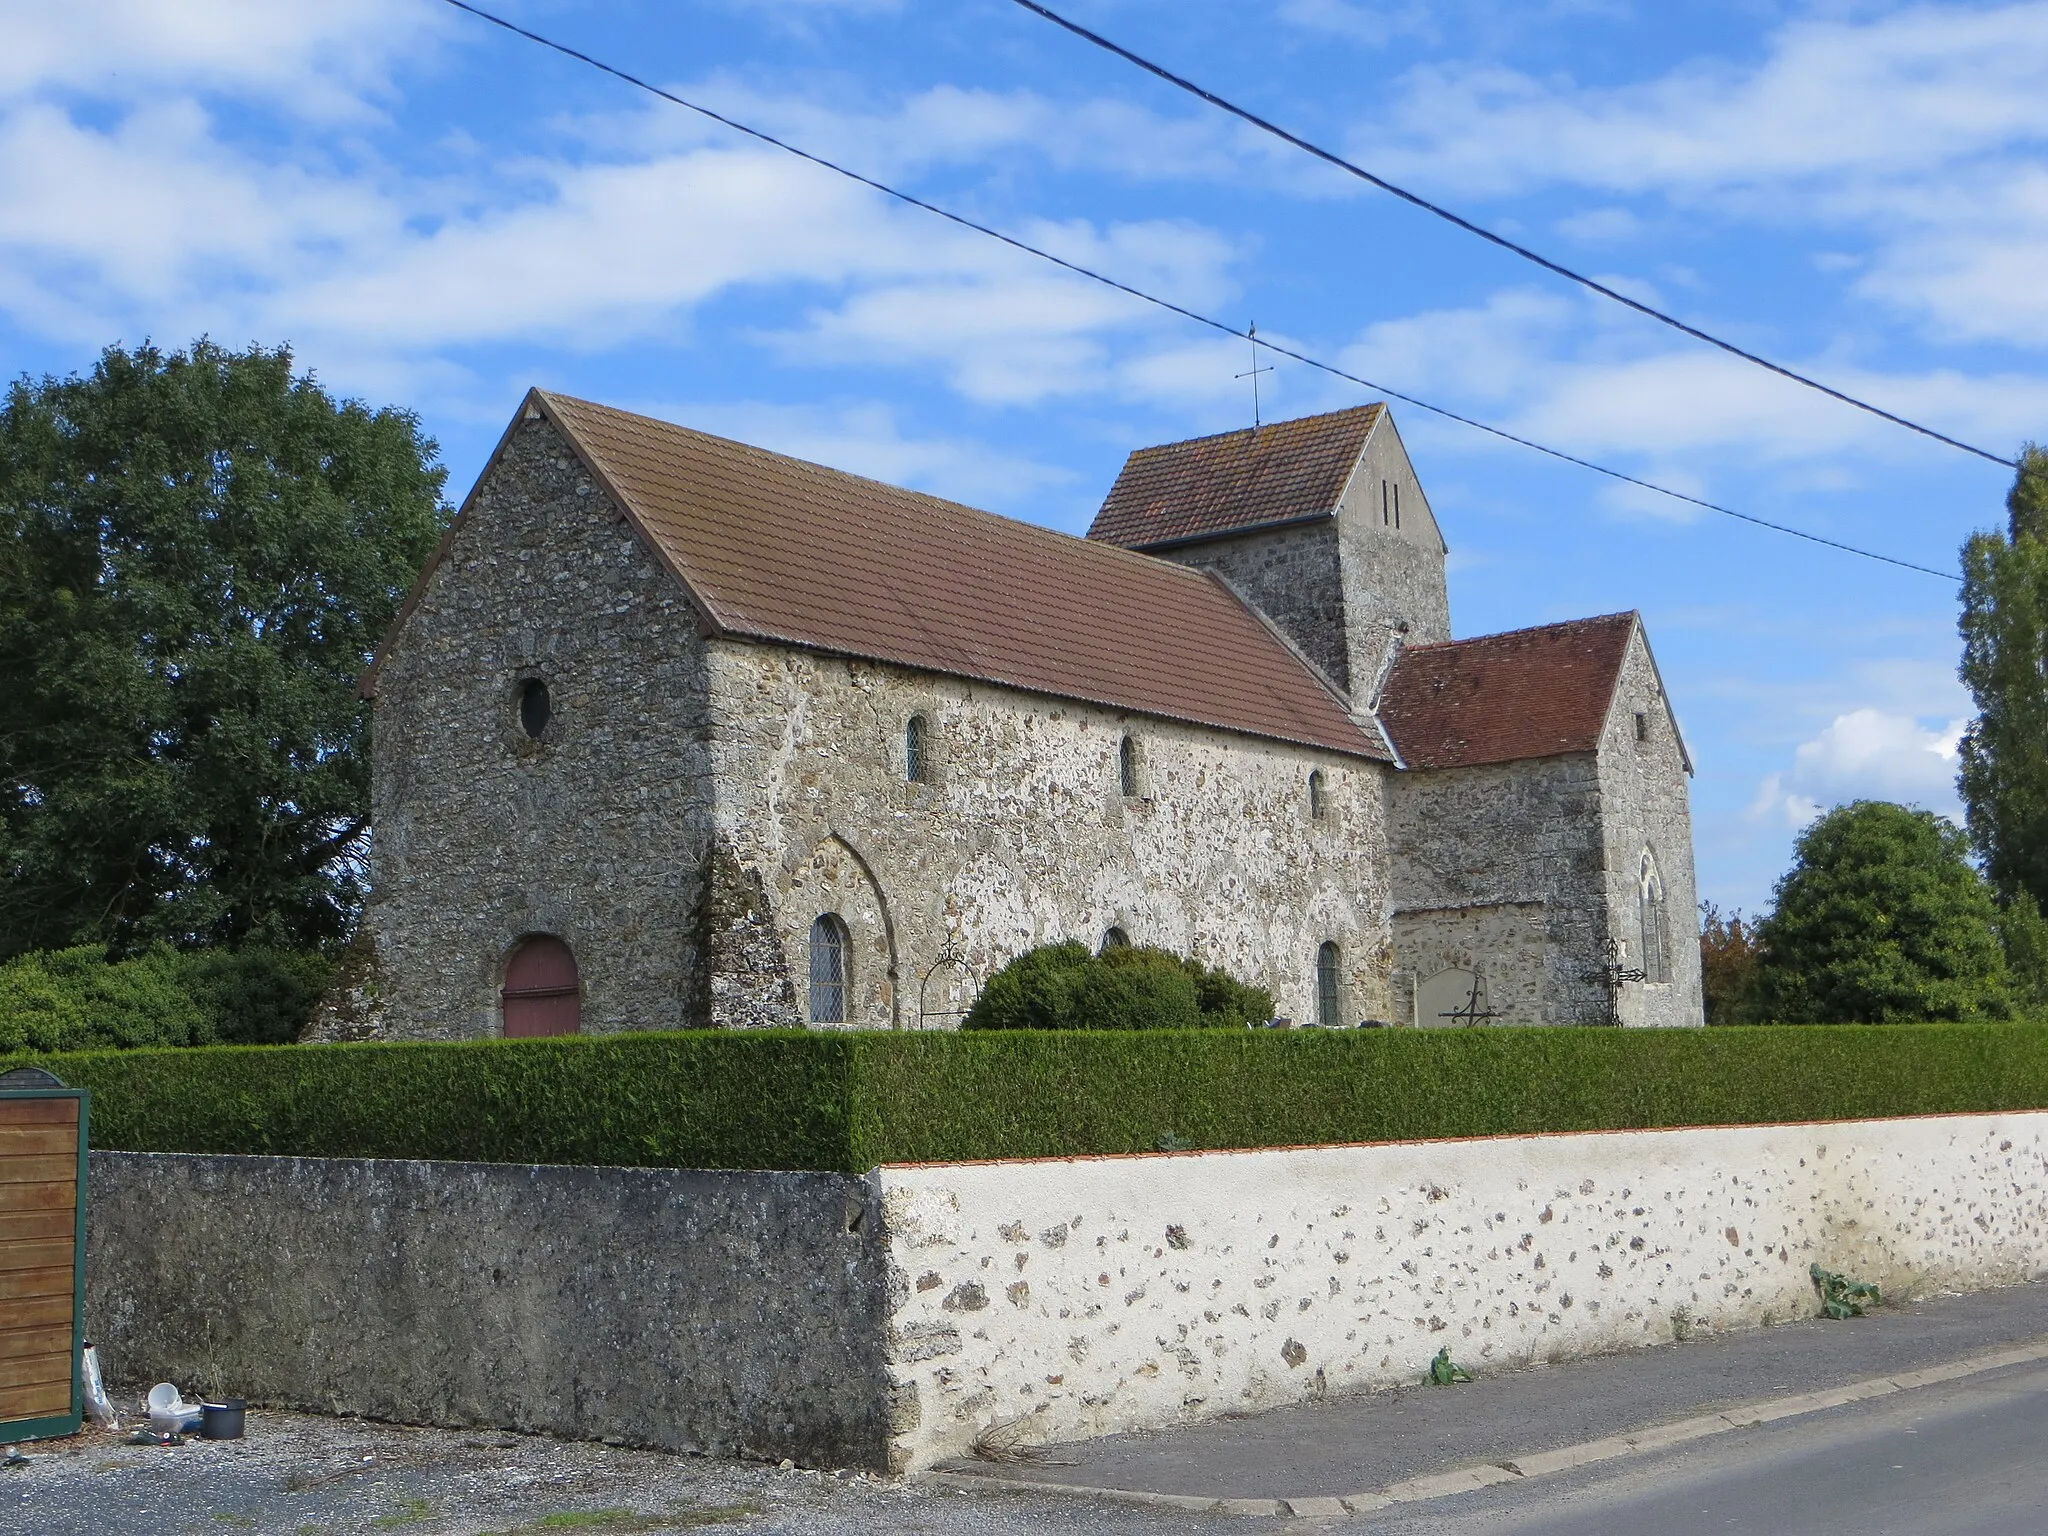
[(629, 1520), (409, 1512)]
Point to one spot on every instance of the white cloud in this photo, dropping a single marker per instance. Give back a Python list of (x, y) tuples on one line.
[(1922, 129), (1866, 754)]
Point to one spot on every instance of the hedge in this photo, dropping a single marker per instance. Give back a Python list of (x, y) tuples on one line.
[(848, 1101)]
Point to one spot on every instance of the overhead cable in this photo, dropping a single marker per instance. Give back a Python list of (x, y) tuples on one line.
[(1331, 158), (1169, 305)]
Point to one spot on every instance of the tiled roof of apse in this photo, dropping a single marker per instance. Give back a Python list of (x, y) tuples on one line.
[(1500, 698), (775, 548), (1210, 486)]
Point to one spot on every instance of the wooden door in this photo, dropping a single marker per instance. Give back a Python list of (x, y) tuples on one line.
[(543, 993), (42, 1249)]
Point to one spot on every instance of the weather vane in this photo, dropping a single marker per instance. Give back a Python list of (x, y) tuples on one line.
[(1253, 372)]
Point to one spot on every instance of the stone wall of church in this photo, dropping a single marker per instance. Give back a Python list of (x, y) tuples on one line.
[(1505, 833), (1440, 952), (1393, 578), (1647, 809), (1294, 576), (595, 832), (1020, 836)]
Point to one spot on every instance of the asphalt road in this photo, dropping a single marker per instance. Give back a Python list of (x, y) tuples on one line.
[(1968, 1459)]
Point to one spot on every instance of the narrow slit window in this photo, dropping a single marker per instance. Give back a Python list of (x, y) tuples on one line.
[(535, 708), (829, 955), (1397, 506), (1114, 938), (1329, 987), (1127, 766), (1654, 923), (1316, 803), (1386, 504), (914, 763), (1642, 725)]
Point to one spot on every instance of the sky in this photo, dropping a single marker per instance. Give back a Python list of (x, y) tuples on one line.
[(438, 215)]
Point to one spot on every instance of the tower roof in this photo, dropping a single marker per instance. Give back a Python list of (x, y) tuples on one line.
[(1207, 487)]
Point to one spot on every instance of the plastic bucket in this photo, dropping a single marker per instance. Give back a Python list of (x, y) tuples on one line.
[(221, 1421)]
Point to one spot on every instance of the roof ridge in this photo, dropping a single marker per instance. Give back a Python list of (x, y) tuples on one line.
[(1252, 432), (1526, 629), (1096, 547)]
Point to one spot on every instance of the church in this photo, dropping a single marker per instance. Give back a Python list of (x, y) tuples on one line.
[(675, 732)]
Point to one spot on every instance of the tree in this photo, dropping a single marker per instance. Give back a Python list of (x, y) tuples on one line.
[(1728, 962), (200, 553), (1063, 986), (1881, 919), (2004, 777)]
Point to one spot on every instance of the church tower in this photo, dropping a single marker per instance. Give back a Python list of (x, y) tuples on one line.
[(1320, 523)]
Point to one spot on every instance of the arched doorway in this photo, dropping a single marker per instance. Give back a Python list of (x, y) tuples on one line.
[(543, 994)]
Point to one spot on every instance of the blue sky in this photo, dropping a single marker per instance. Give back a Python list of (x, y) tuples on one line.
[(438, 215)]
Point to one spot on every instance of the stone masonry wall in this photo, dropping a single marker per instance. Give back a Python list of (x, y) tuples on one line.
[(1501, 942), (1644, 796), (1394, 582), (1020, 836), (1087, 1297), (1294, 576), (594, 833), (1508, 832), (722, 1313)]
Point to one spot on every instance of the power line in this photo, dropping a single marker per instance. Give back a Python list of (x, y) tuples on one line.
[(1523, 251), (1167, 304)]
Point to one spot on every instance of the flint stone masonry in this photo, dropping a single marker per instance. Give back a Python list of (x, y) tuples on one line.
[(598, 831), (733, 1314), (1130, 1293), (886, 1322), (1020, 835)]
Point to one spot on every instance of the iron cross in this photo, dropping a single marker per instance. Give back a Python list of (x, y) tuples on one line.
[(1614, 976), (1253, 372)]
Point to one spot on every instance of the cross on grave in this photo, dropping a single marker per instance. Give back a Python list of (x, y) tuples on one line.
[(1470, 1013), (1614, 976), (1253, 372)]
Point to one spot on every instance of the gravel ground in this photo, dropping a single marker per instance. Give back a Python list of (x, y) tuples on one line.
[(303, 1475)]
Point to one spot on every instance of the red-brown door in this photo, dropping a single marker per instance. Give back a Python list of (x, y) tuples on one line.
[(542, 994)]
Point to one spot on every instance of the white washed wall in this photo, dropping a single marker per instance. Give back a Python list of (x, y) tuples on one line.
[(1089, 1296)]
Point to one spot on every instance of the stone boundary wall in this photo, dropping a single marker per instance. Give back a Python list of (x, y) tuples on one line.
[(1075, 1298), (726, 1313), (887, 1322)]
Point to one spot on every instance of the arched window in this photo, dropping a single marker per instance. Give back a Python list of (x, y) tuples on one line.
[(1114, 938), (535, 708), (831, 956), (1655, 926), (543, 994), (1316, 804), (1127, 765), (1329, 986), (914, 764)]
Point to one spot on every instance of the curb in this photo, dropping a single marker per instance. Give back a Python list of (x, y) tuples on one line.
[(1438, 1485)]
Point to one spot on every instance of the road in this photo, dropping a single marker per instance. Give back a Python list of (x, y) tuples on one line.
[(1967, 1459)]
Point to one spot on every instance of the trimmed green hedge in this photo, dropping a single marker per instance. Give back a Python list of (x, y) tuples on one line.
[(848, 1101)]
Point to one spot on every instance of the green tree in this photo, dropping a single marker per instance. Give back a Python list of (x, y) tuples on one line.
[(1728, 962), (200, 553), (2004, 623), (1881, 919), (1063, 986)]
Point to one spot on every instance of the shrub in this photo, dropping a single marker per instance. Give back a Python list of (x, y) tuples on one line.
[(1063, 986), (75, 999), (845, 1100)]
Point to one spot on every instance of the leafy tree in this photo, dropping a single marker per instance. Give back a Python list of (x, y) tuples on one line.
[(1728, 962), (200, 552), (1063, 986), (2004, 778), (1881, 919)]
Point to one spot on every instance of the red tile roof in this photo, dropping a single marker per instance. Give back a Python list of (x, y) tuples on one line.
[(775, 548), (1210, 486), (1528, 693)]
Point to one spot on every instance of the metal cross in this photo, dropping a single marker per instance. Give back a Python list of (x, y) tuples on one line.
[(1253, 372), (1614, 976), (1471, 1013)]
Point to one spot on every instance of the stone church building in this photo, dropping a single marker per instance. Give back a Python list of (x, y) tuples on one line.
[(676, 732)]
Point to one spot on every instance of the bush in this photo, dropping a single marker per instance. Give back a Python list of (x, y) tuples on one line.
[(847, 1100), (1063, 986), (75, 999)]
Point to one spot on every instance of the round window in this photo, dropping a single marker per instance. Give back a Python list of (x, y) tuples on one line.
[(534, 709)]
